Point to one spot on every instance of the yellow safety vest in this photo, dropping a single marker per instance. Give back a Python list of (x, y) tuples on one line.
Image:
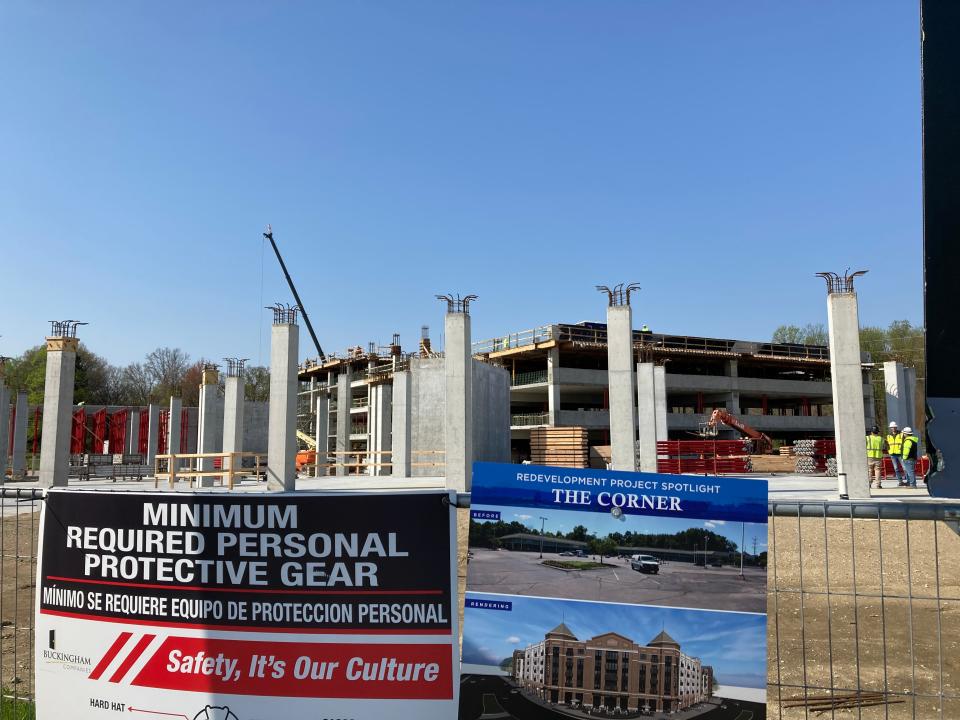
[(909, 443), (874, 447), (894, 443)]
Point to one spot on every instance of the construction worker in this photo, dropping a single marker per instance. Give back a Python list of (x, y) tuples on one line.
[(893, 447), (911, 447), (874, 456)]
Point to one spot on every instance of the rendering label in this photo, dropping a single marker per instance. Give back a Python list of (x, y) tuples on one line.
[(614, 592), (251, 607)]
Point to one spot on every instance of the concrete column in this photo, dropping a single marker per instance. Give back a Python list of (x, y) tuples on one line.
[(4, 426), (458, 408), (133, 432), (233, 406), (57, 411), (646, 416), (343, 420), (910, 376), (282, 438), (900, 384), (660, 401), (153, 434), (620, 369), (322, 430), (732, 402), (553, 386), (18, 464), (207, 421), (174, 425), (848, 405), (381, 426), (401, 425)]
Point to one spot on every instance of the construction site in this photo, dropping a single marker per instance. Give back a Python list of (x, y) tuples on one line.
[(863, 581), (581, 395)]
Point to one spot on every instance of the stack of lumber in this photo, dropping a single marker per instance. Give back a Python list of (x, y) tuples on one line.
[(600, 457), (772, 463), (559, 446)]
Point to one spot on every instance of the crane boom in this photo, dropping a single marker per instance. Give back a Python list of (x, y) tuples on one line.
[(762, 442), (296, 296)]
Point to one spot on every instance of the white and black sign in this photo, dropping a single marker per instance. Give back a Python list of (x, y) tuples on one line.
[(231, 601)]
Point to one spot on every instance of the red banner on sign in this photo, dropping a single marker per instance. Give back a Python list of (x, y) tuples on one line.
[(321, 670)]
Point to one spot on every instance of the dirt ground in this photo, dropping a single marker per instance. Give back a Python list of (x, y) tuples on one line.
[(18, 573), (821, 635), (813, 635)]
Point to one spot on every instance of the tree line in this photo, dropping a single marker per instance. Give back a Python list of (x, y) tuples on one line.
[(901, 341), (163, 373), (489, 534)]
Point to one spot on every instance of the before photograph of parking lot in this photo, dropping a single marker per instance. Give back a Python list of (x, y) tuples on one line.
[(706, 564)]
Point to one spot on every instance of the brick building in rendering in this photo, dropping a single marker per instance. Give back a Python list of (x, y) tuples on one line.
[(612, 671)]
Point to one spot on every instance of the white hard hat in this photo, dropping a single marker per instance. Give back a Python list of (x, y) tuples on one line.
[(893, 423), (907, 430)]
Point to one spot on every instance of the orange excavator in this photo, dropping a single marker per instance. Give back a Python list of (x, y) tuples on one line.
[(761, 443)]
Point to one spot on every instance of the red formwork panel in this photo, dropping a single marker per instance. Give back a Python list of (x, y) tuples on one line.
[(37, 411), (99, 430), (144, 432), (922, 467), (118, 431), (78, 432), (164, 433), (712, 457), (184, 429)]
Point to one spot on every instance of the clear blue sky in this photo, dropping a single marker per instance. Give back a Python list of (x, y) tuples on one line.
[(733, 643), (602, 524), (718, 153)]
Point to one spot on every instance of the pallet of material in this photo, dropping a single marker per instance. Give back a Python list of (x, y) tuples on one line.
[(600, 457), (562, 446), (773, 463)]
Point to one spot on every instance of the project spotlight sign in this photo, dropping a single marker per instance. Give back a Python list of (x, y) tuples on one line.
[(251, 607)]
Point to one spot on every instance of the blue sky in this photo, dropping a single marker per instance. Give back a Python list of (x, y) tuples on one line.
[(733, 643), (602, 524), (717, 153)]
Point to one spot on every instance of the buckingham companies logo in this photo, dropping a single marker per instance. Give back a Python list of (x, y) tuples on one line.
[(68, 659)]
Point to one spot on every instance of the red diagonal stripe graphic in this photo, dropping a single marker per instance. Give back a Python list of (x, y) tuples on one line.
[(132, 658), (111, 654)]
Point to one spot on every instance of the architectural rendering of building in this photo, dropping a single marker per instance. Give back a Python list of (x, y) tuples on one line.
[(612, 671)]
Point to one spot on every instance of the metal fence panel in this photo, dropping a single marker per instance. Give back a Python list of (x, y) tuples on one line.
[(18, 566), (864, 610)]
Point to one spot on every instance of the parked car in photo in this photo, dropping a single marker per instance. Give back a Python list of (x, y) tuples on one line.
[(645, 564)]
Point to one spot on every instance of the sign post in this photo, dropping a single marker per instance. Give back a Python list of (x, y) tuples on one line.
[(252, 607)]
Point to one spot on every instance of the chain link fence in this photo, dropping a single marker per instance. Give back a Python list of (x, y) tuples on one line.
[(18, 570), (864, 610), (863, 602)]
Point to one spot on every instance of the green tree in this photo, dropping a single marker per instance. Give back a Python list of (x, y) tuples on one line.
[(814, 334), (579, 533), (94, 378), (787, 334), (257, 384), (167, 367), (809, 334), (601, 546)]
